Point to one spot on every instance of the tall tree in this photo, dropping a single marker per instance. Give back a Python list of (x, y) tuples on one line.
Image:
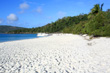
[(102, 6)]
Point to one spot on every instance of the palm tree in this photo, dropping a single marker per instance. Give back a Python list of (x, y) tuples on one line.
[(95, 10), (102, 6)]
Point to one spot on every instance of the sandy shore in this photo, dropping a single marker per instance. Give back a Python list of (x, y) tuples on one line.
[(56, 54)]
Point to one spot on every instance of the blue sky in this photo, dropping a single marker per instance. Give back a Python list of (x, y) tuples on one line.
[(35, 13)]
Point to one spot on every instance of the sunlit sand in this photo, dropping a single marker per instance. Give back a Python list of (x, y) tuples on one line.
[(58, 53)]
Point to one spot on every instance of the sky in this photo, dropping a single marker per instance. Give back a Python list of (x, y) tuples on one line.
[(37, 13)]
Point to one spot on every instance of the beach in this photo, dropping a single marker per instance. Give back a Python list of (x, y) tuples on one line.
[(58, 53)]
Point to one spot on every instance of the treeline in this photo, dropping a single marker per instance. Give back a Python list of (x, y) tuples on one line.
[(96, 23), (57, 26), (5, 28)]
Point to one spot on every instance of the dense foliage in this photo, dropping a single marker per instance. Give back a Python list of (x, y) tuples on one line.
[(57, 26), (96, 23)]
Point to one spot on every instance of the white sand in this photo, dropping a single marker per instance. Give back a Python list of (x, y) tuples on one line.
[(56, 54)]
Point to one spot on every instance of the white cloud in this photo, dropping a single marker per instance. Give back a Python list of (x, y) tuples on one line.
[(61, 14), (12, 17), (24, 6), (39, 10), (1, 21)]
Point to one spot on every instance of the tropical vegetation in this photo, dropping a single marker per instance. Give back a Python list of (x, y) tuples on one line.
[(96, 23)]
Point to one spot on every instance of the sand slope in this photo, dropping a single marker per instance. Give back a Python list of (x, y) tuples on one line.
[(56, 54)]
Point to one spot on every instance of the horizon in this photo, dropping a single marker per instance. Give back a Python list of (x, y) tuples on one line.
[(31, 13)]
